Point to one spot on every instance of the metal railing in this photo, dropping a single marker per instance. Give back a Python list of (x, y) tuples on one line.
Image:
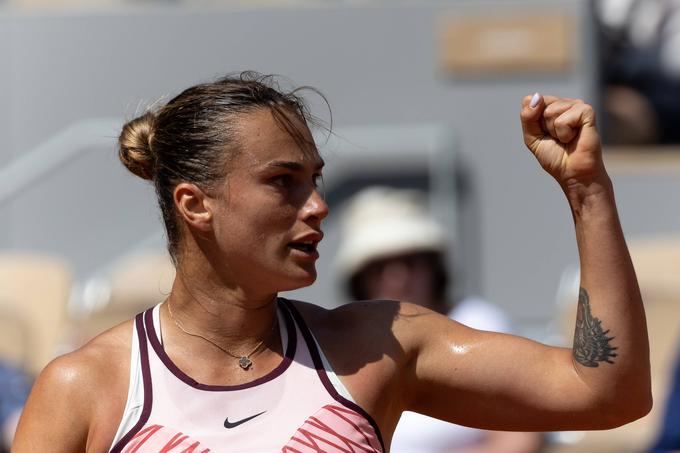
[(68, 144)]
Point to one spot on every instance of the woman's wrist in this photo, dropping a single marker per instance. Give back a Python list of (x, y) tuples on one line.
[(594, 192)]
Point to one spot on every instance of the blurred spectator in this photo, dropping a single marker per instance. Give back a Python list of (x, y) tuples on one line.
[(641, 70), (14, 389), (669, 440), (392, 249)]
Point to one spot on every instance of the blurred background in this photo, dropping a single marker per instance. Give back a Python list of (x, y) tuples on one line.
[(423, 94)]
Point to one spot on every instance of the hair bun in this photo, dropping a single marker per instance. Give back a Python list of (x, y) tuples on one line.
[(135, 146)]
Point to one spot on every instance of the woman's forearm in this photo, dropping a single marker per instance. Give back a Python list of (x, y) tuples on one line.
[(611, 349)]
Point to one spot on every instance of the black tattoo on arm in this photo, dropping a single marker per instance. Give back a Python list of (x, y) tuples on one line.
[(591, 343)]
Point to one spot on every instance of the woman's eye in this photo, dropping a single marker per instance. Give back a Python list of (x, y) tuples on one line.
[(282, 180), (288, 181)]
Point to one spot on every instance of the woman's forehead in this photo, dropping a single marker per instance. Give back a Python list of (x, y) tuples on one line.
[(264, 141)]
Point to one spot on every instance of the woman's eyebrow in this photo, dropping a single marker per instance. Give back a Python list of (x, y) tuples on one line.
[(293, 165)]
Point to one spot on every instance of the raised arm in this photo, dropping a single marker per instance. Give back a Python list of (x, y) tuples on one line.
[(503, 382), (611, 349)]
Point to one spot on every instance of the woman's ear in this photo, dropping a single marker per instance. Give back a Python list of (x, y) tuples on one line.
[(192, 205)]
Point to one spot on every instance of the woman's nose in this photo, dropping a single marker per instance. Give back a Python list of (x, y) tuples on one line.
[(315, 206)]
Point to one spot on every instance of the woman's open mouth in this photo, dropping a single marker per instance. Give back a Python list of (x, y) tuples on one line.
[(303, 247), (306, 249)]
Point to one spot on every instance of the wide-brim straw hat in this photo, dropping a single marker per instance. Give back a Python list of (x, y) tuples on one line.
[(383, 222)]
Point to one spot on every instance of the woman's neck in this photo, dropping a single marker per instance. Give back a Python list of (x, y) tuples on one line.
[(201, 303)]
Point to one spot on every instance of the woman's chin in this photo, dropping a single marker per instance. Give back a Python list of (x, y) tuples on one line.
[(299, 279)]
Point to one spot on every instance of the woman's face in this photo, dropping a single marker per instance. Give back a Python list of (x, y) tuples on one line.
[(268, 211)]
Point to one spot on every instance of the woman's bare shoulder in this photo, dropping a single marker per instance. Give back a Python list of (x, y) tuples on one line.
[(67, 395), (103, 353), (352, 310), (99, 362), (389, 316), (369, 346), (387, 326), (379, 327)]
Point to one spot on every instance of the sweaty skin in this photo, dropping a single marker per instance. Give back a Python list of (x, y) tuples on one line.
[(392, 356)]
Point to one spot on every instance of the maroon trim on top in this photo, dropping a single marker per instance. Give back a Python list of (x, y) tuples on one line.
[(321, 371), (181, 375), (146, 379)]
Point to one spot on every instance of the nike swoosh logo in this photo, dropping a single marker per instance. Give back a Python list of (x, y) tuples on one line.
[(229, 425)]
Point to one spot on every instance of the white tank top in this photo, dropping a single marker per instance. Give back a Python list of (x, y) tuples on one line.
[(300, 406)]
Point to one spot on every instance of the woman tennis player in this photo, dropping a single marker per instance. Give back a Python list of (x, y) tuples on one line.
[(224, 364)]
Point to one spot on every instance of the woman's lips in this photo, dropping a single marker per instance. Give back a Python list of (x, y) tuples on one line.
[(304, 250)]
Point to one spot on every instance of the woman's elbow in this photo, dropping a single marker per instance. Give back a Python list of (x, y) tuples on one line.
[(640, 408), (627, 409)]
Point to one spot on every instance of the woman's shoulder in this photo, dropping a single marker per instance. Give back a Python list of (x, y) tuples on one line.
[(80, 375), (388, 326), (371, 315), (99, 361), (113, 342), (370, 346), (74, 390), (352, 315)]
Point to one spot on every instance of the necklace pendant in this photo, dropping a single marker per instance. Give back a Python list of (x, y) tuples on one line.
[(245, 363)]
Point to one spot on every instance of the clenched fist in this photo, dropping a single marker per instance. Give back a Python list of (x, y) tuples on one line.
[(561, 133)]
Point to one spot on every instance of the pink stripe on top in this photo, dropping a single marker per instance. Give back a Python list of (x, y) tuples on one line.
[(294, 408)]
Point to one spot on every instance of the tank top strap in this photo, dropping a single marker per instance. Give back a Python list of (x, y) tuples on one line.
[(139, 362), (318, 364)]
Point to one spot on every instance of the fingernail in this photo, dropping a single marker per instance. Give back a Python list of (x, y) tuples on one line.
[(534, 100)]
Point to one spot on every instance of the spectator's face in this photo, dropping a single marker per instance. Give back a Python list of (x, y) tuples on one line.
[(408, 278)]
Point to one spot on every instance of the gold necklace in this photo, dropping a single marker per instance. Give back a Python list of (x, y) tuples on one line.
[(244, 361)]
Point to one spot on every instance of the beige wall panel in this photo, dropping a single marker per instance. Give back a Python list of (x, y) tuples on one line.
[(517, 43)]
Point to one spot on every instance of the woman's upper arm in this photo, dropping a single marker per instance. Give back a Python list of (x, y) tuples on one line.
[(490, 380), (56, 415)]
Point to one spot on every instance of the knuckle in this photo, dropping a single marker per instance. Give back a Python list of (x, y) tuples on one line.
[(563, 129)]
